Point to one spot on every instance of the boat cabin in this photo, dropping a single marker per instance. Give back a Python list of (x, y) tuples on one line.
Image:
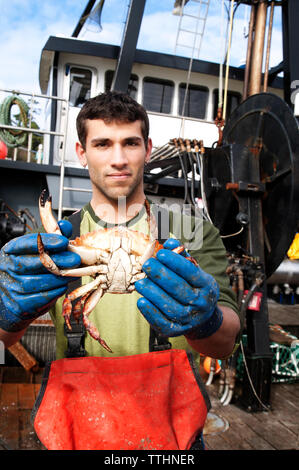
[(71, 71), (77, 70)]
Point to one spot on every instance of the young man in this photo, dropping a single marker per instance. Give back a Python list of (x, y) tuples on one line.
[(193, 306)]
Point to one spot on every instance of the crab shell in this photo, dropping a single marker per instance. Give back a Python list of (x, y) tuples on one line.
[(114, 255), (96, 245), (118, 252)]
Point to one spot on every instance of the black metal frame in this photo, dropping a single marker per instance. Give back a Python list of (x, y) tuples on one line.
[(83, 18), (290, 15), (126, 56)]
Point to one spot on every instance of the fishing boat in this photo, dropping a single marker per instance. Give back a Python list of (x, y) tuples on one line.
[(181, 102), (204, 117)]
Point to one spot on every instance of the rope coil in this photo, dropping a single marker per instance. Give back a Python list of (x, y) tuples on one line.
[(13, 138)]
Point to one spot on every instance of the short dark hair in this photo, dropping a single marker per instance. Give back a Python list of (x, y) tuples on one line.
[(112, 106)]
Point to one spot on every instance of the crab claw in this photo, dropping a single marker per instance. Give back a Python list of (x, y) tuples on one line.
[(94, 333), (45, 209)]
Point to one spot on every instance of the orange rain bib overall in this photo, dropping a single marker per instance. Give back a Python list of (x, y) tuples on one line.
[(151, 401)]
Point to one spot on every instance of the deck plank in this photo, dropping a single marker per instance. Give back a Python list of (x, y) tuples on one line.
[(248, 428), (216, 442), (283, 314), (9, 415), (243, 431), (264, 430), (26, 396), (27, 438)]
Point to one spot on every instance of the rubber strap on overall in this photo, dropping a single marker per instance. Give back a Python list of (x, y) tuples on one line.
[(157, 342), (75, 336)]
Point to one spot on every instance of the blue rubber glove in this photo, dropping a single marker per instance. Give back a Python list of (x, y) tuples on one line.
[(179, 298), (27, 289)]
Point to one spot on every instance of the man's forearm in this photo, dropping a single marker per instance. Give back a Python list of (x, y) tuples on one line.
[(221, 343), (9, 338)]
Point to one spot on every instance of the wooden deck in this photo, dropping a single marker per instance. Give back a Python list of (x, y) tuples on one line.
[(277, 429), (18, 390)]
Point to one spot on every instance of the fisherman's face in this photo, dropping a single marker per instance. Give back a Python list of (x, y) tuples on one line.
[(115, 154)]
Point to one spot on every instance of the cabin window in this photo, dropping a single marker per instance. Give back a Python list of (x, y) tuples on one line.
[(80, 86), (157, 95), (132, 87), (233, 100), (196, 101)]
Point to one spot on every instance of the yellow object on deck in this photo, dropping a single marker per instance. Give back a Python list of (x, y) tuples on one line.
[(293, 252)]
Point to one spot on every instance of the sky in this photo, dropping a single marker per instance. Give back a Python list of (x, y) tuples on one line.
[(25, 26)]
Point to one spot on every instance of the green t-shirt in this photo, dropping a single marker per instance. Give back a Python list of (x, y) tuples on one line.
[(117, 317)]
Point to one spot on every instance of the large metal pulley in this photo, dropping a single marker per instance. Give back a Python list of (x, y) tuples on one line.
[(260, 160)]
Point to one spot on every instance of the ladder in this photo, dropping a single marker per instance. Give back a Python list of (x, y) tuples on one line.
[(62, 187), (191, 27), (193, 16)]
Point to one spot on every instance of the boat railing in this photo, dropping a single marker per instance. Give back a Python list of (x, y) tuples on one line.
[(25, 126)]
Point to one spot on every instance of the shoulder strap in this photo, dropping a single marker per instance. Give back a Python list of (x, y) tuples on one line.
[(75, 220), (75, 336), (162, 216), (157, 342)]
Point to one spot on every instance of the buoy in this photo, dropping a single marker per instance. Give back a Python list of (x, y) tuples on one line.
[(3, 150), (207, 365)]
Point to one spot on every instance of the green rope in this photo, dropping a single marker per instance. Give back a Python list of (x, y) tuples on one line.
[(13, 138)]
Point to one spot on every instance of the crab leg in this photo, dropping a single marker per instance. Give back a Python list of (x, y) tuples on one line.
[(87, 303), (79, 292), (78, 307), (149, 252), (47, 261), (45, 258), (92, 300), (151, 221), (88, 307), (82, 290), (85, 271), (180, 249)]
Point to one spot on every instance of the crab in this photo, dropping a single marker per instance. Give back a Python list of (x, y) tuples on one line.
[(112, 257)]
